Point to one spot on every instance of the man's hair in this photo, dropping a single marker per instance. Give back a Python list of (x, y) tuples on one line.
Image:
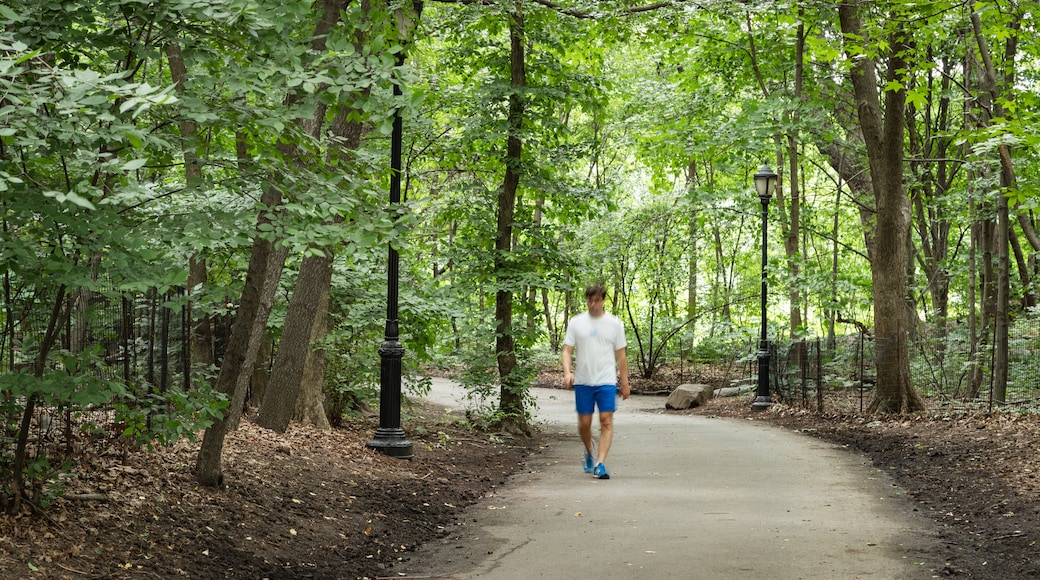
[(595, 290)]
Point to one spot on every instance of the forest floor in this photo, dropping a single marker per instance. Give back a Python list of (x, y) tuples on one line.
[(309, 504), (304, 504)]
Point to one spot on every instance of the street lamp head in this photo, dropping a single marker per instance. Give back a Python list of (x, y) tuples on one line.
[(765, 181)]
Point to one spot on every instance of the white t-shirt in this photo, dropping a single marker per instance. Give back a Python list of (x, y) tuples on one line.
[(595, 340)]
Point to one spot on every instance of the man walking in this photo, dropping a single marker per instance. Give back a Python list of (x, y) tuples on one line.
[(599, 338)]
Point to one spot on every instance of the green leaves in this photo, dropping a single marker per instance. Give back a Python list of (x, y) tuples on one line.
[(70, 197)]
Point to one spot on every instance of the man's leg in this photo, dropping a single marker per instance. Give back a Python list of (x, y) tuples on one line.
[(585, 430), (606, 434)]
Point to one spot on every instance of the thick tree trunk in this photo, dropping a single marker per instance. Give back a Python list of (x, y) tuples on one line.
[(297, 376), (265, 267), (264, 271), (295, 345), (310, 405), (884, 138)]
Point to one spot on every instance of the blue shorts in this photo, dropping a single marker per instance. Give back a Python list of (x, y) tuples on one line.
[(587, 398)]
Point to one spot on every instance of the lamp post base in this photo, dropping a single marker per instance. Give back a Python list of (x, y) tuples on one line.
[(762, 403), (391, 442), (762, 398)]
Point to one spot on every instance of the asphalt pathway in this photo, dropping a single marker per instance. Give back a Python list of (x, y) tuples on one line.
[(690, 497)]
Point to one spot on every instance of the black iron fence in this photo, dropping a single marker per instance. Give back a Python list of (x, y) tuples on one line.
[(945, 367)]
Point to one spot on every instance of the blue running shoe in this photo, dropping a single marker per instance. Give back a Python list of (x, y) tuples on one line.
[(588, 462), (600, 471)]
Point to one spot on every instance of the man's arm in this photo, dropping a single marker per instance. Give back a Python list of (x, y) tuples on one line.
[(622, 364), (568, 376)]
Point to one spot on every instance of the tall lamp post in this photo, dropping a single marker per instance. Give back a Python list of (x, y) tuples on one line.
[(765, 181), (390, 438)]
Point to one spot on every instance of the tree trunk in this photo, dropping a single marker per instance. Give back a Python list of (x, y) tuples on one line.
[(691, 274), (265, 266), (852, 171), (261, 376), (994, 96), (793, 225), (884, 139), (201, 330), (511, 403), (297, 376), (18, 460), (310, 405), (295, 345)]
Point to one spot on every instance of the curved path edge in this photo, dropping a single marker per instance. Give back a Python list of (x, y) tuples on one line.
[(691, 497)]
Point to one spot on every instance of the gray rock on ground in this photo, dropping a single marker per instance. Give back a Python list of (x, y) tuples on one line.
[(686, 396)]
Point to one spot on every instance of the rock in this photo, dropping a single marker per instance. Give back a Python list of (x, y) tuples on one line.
[(686, 396), (734, 391)]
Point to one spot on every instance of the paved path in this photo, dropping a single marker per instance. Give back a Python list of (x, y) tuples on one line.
[(691, 497)]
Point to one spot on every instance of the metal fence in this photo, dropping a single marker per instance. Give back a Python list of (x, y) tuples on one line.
[(143, 339), (944, 368)]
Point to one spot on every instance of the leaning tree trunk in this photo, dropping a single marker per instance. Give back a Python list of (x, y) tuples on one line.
[(16, 475), (295, 386), (295, 345), (884, 139), (310, 405), (265, 265)]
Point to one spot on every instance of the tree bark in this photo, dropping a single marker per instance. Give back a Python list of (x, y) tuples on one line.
[(295, 345), (265, 267), (310, 405), (261, 376), (883, 135), (512, 389), (295, 388), (791, 236)]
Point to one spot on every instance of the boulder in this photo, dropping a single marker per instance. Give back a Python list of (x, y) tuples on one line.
[(686, 396)]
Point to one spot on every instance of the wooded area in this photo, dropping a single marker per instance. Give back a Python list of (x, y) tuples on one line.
[(195, 217)]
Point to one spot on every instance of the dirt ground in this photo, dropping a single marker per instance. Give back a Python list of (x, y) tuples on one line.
[(305, 504), (308, 504)]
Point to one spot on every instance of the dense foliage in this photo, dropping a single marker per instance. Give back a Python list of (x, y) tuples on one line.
[(146, 150)]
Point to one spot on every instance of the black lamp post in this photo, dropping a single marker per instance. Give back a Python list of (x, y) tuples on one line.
[(389, 437), (765, 181)]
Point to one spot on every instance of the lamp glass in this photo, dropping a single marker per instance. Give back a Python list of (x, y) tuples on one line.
[(765, 180)]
